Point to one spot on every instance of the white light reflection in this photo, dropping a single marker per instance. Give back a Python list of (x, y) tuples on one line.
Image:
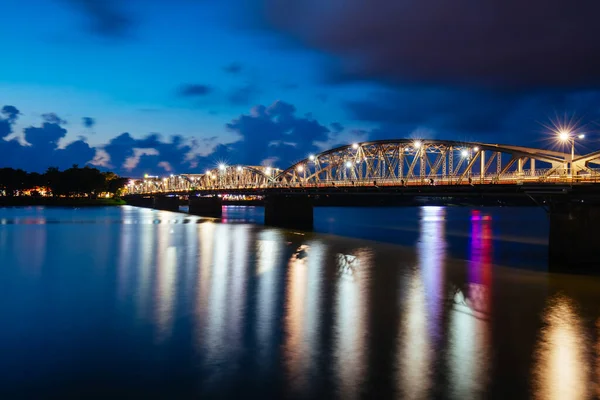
[(165, 282), (269, 248), (351, 322), (237, 283), (124, 269), (145, 267), (561, 368), (422, 307), (302, 311), (216, 337)]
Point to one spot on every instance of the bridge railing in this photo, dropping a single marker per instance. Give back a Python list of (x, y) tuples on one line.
[(178, 186)]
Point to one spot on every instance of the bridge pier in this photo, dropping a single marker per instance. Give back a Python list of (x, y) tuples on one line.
[(139, 201), (573, 244), (294, 212), (206, 206), (167, 203)]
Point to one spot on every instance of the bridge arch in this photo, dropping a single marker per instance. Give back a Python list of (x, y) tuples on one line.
[(423, 161), (233, 176)]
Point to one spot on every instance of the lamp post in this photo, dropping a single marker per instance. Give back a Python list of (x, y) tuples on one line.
[(569, 137)]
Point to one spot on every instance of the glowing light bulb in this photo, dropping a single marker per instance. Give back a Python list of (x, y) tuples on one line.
[(417, 144), (355, 146)]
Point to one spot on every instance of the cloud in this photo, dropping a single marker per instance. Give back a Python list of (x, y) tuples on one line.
[(273, 133), (88, 122), (105, 18), (42, 149), (500, 44), (194, 90), (233, 68), (11, 114)]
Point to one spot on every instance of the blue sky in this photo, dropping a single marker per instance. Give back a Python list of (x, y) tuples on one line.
[(197, 69)]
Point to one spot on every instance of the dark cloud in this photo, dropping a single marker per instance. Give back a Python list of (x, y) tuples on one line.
[(134, 157), (272, 134), (499, 43), (244, 95), (473, 115), (52, 118), (233, 68), (194, 90), (42, 150), (337, 127), (11, 114), (88, 122), (106, 18)]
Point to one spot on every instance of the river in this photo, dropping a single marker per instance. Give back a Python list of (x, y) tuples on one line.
[(415, 303)]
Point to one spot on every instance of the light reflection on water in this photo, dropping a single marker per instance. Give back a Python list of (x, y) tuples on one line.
[(180, 309)]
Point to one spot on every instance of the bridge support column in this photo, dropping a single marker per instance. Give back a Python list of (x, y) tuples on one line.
[(206, 206), (294, 212), (140, 201), (573, 244), (167, 203)]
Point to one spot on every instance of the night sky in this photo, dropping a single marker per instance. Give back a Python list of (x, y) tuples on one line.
[(160, 87)]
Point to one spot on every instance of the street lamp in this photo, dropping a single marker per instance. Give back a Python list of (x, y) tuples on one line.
[(568, 137)]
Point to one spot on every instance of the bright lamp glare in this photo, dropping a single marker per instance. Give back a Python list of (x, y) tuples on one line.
[(222, 166), (355, 146), (268, 170), (582, 136), (464, 153), (239, 168), (299, 167), (475, 148), (564, 136), (348, 164), (417, 144), (311, 157)]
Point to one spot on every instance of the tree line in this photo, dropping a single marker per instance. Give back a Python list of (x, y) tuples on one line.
[(75, 181)]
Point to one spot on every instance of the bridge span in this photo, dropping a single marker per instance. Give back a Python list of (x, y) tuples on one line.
[(567, 185)]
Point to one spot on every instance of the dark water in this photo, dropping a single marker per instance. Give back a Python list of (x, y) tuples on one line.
[(137, 303)]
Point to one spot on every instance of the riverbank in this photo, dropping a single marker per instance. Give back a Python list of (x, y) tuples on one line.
[(23, 201)]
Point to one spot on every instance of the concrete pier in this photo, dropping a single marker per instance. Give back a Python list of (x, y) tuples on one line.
[(211, 206), (167, 203), (140, 201), (573, 243), (295, 212)]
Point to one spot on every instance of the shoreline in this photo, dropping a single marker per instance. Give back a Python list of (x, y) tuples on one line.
[(26, 201)]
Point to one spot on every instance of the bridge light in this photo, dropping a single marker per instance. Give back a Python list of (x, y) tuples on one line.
[(464, 153), (213, 176), (268, 170), (222, 167), (355, 146), (207, 172), (300, 168), (564, 135), (475, 148), (172, 175), (348, 164), (239, 168), (417, 144), (582, 136), (145, 176), (311, 157)]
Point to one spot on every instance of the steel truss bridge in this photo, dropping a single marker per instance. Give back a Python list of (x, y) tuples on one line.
[(401, 162)]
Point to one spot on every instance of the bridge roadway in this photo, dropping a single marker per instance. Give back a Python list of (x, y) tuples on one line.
[(567, 186)]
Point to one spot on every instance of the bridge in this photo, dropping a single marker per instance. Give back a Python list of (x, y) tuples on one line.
[(568, 185)]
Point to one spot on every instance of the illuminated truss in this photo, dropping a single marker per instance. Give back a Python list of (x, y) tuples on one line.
[(391, 162), (423, 162)]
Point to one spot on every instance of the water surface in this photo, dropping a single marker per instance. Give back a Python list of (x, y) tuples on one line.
[(420, 303)]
